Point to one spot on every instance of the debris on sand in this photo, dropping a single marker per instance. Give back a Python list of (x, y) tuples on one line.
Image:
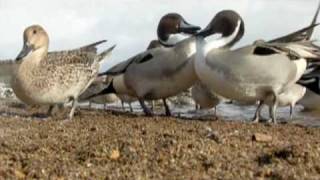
[(214, 135), (115, 155), (259, 137)]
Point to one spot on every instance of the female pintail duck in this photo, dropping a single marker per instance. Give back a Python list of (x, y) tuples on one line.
[(289, 97), (160, 72), (252, 73), (42, 79), (7, 67), (205, 98)]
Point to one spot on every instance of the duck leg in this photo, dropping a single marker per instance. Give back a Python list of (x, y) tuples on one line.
[(291, 111), (49, 112), (146, 110), (215, 113), (74, 105), (90, 104), (197, 107), (130, 106), (152, 105), (168, 112), (274, 108), (122, 104), (256, 118)]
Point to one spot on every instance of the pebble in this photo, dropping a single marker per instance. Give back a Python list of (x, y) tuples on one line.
[(115, 155), (258, 137), (19, 174)]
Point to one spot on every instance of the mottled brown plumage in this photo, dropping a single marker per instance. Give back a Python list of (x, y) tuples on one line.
[(55, 78)]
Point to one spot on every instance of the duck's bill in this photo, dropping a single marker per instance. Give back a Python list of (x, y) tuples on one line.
[(205, 32), (24, 52), (188, 28)]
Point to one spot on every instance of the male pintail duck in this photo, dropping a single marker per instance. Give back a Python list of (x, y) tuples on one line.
[(105, 81), (43, 79), (289, 97), (97, 86), (205, 98), (160, 72), (154, 44), (252, 73)]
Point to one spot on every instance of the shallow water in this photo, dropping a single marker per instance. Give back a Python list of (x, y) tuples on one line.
[(225, 111), (230, 112)]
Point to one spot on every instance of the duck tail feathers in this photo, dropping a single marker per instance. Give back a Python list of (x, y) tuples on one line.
[(92, 47), (105, 54)]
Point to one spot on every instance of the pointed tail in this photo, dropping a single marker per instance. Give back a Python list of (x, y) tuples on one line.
[(105, 53), (300, 35), (108, 90), (314, 21), (92, 47)]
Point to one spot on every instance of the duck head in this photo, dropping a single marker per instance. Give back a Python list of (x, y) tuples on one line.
[(173, 28), (228, 24), (35, 39)]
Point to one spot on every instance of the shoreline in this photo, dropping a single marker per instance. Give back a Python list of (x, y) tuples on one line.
[(110, 145)]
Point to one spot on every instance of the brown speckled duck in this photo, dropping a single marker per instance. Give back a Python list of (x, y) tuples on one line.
[(58, 78)]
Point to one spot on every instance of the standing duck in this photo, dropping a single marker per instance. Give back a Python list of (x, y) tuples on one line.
[(43, 79), (252, 73), (159, 73)]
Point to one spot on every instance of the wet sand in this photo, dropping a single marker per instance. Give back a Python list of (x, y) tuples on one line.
[(101, 144)]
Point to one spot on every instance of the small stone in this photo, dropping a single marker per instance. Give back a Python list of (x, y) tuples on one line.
[(93, 129), (258, 137), (89, 165), (19, 174), (115, 155)]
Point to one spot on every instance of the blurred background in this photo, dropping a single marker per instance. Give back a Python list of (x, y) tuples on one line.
[(131, 24)]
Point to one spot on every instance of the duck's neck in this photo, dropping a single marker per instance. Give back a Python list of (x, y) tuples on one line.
[(200, 49), (36, 56), (224, 41), (186, 47), (172, 40)]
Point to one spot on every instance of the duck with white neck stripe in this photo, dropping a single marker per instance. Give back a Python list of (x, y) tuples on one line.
[(252, 73), (161, 72)]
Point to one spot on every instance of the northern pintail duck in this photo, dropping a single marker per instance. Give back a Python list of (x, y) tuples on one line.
[(7, 67), (105, 81), (126, 99), (43, 79), (97, 86), (311, 80), (154, 44), (289, 97), (96, 93), (252, 73), (160, 72), (205, 98)]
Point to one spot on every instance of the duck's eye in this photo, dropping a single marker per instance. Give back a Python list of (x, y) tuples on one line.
[(34, 31)]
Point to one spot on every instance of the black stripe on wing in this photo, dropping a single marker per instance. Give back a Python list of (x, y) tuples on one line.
[(123, 66)]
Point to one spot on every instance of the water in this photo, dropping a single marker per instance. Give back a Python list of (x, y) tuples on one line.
[(228, 112), (184, 107)]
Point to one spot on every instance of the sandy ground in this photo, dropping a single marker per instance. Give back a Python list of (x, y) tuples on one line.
[(107, 145)]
